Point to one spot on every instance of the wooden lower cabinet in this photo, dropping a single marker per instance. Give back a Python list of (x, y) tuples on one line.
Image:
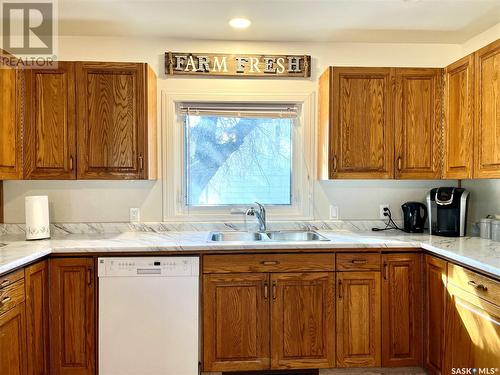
[(72, 316), (13, 341), (37, 317), (401, 310), (302, 320), (358, 319), (236, 322), (472, 337), (434, 312)]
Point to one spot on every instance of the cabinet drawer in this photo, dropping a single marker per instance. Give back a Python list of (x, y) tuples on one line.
[(11, 278), (358, 261), (475, 283), (11, 296), (268, 263)]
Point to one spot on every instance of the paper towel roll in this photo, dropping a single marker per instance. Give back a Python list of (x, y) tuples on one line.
[(37, 217)]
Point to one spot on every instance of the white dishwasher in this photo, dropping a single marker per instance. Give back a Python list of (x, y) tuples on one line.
[(148, 316)]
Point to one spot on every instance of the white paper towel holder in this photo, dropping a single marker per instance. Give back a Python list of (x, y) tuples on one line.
[(37, 217)]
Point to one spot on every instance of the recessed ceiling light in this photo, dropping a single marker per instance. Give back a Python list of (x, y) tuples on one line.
[(239, 23)]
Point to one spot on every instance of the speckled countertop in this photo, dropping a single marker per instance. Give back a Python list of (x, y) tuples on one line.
[(483, 255)]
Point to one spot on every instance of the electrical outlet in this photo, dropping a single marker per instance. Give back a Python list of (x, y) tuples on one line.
[(382, 213), (135, 215), (334, 212)]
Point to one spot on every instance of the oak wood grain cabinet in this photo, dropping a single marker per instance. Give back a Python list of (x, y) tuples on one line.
[(487, 115), (116, 121), (435, 270), (11, 96), (72, 316), (401, 310), (458, 126), (37, 317), (356, 125), (13, 342), (271, 312), (50, 128), (358, 319), (417, 111), (472, 337), (13, 360), (302, 320), (236, 322)]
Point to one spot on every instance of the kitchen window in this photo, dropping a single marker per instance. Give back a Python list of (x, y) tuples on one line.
[(238, 153)]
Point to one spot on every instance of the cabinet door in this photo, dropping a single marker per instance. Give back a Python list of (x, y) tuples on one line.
[(487, 113), (50, 130), (37, 318), (302, 320), (417, 123), (11, 96), (459, 119), (362, 133), (358, 319), (72, 320), (401, 310), (236, 322), (111, 120), (434, 310), (13, 342), (472, 338)]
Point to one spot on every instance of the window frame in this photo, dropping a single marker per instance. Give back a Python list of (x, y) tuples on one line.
[(174, 205)]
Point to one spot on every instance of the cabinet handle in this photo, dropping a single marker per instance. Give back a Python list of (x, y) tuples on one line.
[(89, 276), (5, 300), (266, 290), (269, 262), (340, 289), (478, 286), (335, 163), (385, 271), (4, 283), (359, 261), (71, 163), (274, 290), (141, 163), (399, 163)]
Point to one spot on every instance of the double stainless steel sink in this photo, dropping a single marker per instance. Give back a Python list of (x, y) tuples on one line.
[(275, 236)]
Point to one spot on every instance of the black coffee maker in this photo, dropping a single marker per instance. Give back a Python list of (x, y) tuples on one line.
[(414, 216)]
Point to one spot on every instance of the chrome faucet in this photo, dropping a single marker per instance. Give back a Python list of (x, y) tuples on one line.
[(260, 214)]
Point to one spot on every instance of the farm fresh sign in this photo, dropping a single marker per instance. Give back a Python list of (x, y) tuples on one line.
[(242, 65)]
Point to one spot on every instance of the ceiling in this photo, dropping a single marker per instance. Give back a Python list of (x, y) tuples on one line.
[(434, 21)]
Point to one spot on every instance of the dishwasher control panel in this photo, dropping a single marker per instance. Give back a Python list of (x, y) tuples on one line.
[(148, 266)]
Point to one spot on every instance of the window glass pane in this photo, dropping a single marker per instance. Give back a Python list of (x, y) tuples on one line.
[(233, 160)]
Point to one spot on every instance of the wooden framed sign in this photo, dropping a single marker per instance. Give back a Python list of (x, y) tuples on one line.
[(240, 65)]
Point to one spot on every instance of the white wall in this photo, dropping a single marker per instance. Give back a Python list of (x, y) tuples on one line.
[(80, 201)]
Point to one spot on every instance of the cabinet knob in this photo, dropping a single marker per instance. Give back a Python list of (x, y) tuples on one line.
[(340, 289), (71, 163), (399, 163), (335, 163), (359, 261), (141, 163), (269, 262), (5, 300), (478, 286)]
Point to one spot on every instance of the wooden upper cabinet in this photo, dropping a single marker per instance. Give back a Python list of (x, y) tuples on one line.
[(358, 319), (401, 310), (11, 96), (360, 134), (72, 316), (417, 114), (487, 111), (434, 313), (302, 320), (50, 130), (459, 119), (116, 120), (37, 317), (236, 322)]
